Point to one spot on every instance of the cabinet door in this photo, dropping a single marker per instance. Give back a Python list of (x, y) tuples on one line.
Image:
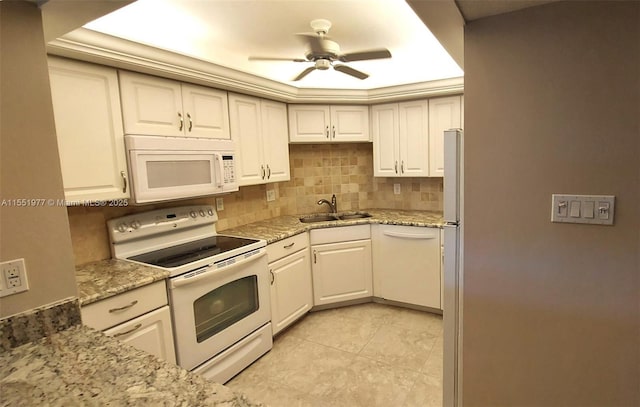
[(291, 292), (384, 129), (151, 105), (150, 332), (350, 123), (444, 114), (309, 123), (341, 271), (206, 112), (414, 139), (246, 132), (275, 141), (86, 107), (406, 263)]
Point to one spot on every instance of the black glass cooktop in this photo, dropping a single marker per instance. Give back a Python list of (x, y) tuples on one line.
[(186, 253)]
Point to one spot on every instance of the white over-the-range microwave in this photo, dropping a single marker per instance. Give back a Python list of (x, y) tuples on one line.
[(170, 168)]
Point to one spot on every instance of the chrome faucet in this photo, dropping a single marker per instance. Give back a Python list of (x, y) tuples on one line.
[(333, 204)]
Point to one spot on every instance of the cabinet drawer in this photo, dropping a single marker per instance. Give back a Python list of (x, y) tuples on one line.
[(278, 250), (150, 332), (340, 234), (123, 307)]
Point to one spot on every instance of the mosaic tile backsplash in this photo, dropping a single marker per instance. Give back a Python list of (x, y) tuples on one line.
[(317, 171)]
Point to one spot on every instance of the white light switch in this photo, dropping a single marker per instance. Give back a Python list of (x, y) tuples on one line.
[(590, 209), (574, 210), (587, 209)]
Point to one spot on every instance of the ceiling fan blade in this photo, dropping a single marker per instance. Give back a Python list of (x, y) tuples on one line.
[(277, 59), (365, 55), (350, 71), (304, 73)]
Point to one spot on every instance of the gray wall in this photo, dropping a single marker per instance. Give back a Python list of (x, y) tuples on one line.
[(29, 164), (552, 311)]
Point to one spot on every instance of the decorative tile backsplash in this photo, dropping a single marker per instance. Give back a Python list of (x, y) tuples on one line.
[(317, 171)]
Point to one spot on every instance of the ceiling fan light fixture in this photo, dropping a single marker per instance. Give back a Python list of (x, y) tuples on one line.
[(323, 64)]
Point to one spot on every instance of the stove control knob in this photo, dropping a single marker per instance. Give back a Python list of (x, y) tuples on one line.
[(122, 227), (193, 214), (201, 213), (136, 224), (210, 212)]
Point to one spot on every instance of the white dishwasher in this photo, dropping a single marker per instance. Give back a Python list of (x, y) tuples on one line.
[(406, 264)]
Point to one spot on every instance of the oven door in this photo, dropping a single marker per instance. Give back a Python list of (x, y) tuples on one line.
[(214, 307)]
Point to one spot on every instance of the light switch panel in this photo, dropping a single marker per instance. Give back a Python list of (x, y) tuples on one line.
[(589, 209)]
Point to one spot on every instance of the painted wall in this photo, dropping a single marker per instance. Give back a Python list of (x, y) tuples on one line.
[(552, 311), (317, 171), (29, 165)]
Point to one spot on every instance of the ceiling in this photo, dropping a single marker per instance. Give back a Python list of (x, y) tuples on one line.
[(224, 33), (227, 32)]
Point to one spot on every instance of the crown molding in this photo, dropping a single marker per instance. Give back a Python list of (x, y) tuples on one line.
[(91, 46)]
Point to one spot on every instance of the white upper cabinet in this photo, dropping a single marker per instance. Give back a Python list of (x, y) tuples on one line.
[(86, 107), (330, 124), (400, 139), (259, 130), (163, 107), (444, 114)]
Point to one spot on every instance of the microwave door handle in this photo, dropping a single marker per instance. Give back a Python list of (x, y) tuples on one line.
[(219, 171)]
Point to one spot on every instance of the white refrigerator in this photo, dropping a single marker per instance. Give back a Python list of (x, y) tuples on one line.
[(453, 257)]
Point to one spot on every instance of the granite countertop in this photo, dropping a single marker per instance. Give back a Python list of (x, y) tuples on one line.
[(81, 366), (282, 227), (106, 278)]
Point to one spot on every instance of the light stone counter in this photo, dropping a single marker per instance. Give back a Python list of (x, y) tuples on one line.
[(282, 227), (106, 278), (83, 367)]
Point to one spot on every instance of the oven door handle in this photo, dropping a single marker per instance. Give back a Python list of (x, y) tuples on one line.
[(215, 272)]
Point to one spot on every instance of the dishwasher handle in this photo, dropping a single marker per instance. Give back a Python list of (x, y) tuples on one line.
[(408, 235), (209, 271)]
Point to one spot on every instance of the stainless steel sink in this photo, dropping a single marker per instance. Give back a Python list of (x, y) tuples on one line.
[(323, 217), (357, 215)]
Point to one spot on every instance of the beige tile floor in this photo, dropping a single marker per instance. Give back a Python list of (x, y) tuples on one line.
[(362, 355)]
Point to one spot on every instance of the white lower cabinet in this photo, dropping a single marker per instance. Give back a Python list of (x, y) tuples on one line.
[(407, 264), (291, 291), (341, 264), (139, 317), (150, 332)]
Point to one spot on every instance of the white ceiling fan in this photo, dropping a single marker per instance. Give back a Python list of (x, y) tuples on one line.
[(324, 53)]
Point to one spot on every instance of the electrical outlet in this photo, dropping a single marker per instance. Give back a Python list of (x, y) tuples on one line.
[(14, 277), (396, 189), (271, 195), (219, 204)]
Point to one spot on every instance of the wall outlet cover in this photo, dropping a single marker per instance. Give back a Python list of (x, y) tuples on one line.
[(13, 277)]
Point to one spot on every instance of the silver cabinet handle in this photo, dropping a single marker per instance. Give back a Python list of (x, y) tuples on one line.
[(289, 245), (273, 277), (181, 121), (135, 328), (268, 172), (263, 172), (190, 122), (134, 302), (124, 181), (333, 130), (396, 167), (327, 130)]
